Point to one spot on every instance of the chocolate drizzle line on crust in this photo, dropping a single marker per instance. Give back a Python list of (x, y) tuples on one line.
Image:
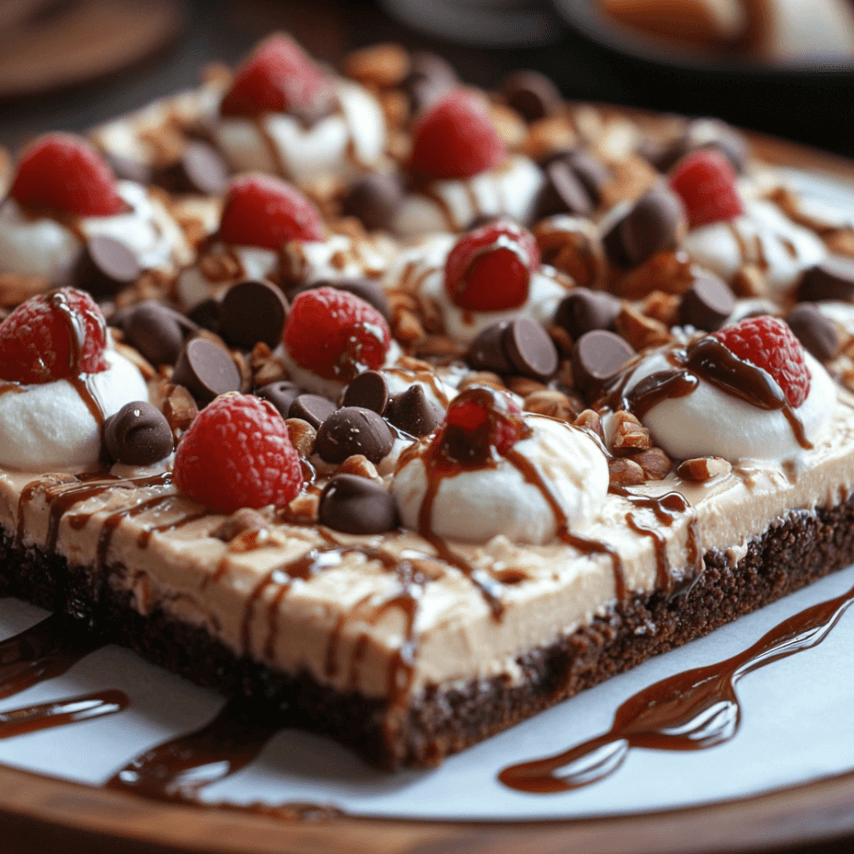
[(692, 710)]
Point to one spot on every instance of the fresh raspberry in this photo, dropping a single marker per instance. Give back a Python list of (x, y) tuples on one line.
[(263, 211), (237, 453), (52, 336), (278, 77), (455, 138), (335, 334), (706, 183), (490, 268), (768, 343), (479, 423), (62, 173)]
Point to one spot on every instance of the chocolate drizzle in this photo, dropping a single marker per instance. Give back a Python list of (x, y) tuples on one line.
[(693, 710)]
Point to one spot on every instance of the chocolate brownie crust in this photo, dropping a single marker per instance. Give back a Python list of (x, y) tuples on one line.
[(799, 549)]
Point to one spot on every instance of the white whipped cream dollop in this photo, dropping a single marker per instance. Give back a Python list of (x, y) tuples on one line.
[(51, 427), (479, 504), (42, 246), (452, 205), (710, 422), (764, 236), (339, 144)]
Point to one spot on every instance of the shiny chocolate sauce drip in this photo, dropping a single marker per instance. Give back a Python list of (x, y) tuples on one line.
[(667, 509), (44, 651), (70, 710), (693, 710)]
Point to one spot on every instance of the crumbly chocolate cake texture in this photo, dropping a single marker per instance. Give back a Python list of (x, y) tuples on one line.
[(409, 408)]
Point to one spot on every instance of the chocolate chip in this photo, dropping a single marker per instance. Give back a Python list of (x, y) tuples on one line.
[(128, 169), (582, 310), (353, 430), (700, 133), (589, 171), (157, 331), (105, 266), (414, 412), (597, 357), (832, 280), (206, 314), (429, 78), (815, 331), (486, 352), (200, 169), (374, 200), (356, 505), (707, 304), (251, 311), (367, 290), (562, 192), (312, 408), (138, 434), (281, 394), (529, 349), (368, 390), (650, 226), (532, 94), (205, 370)]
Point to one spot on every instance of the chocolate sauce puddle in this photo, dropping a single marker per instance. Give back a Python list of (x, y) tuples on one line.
[(61, 712), (693, 710)]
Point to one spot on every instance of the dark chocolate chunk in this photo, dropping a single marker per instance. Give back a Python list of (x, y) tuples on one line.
[(206, 314), (816, 332), (368, 390), (373, 199), (597, 357), (200, 169), (365, 289), (701, 133), (281, 394), (313, 408), (138, 434), (157, 331), (487, 353), (414, 412), (353, 430), (357, 505), (592, 174), (128, 169), (251, 311), (532, 94), (206, 370), (429, 78), (562, 192), (707, 304), (832, 280), (582, 310), (105, 266), (650, 226), (530, 349)]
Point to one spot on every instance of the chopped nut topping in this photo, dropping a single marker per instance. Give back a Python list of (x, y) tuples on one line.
[(641, 331), (750, 281), (523, 386), (550, 402), (655, 463), (703, 468), (302, 436), (179, 408), (381, 66), (361, 466), (590, 421), (629, 434), (626, 472)]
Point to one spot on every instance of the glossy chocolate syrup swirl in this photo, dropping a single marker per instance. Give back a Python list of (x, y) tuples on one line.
[(693, 710)]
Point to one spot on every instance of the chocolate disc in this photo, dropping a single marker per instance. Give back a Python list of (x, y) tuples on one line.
[(430, 77), (368, 390), (562, 192), (312, 408), (414, 412), (253, 311), (707, 304), (206, 314), (532, 94), (815, 331), (105, 266), (374, 200), (582, 310), (200, 169), (138, 434), (281, 394), (205, 370), (832, 280), (487, 353), (529, 349), (157, 331), (356, 505), (597, 357), (650, 226), (128, 169), (353, 430)]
